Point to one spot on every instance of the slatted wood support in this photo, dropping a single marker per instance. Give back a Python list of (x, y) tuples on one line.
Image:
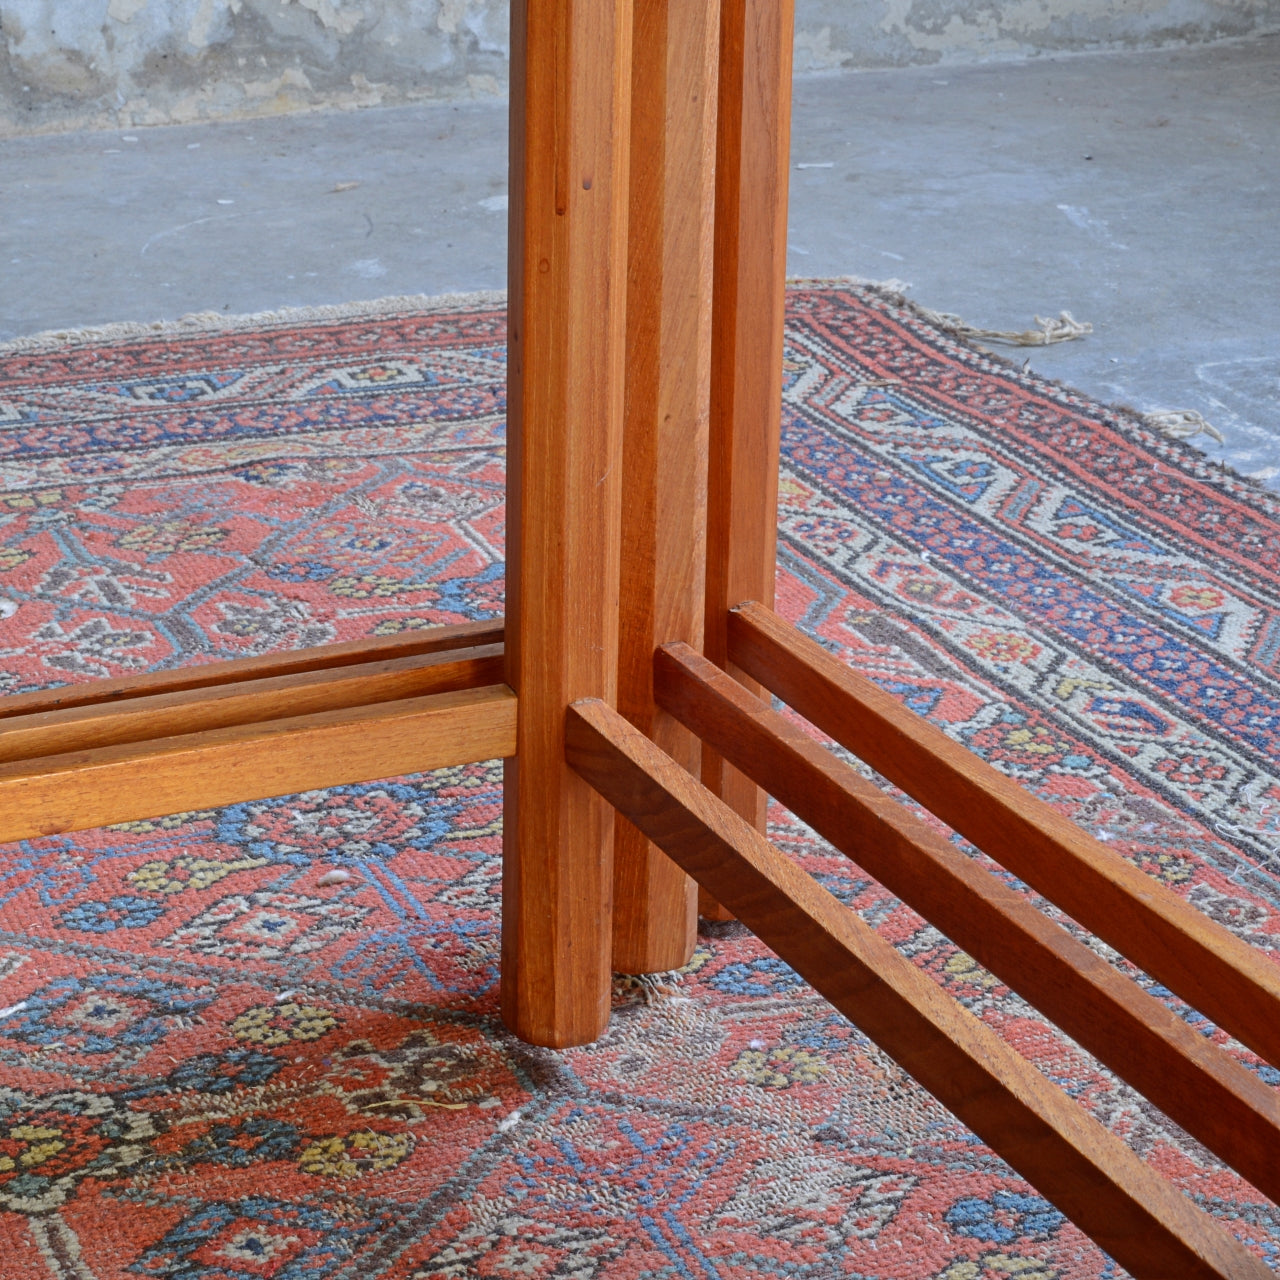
[(137, 747), (1194, 957), (570, 110), (1200, 1086), (136, 719), (267, 666), (121, 783), (1132, 1213), (752, 160), (664, 518)]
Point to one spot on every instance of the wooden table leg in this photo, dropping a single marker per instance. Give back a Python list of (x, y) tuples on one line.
[(753, 156), (570, 111), (675, 52)]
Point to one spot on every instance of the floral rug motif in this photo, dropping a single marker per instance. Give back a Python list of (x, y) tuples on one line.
[(218, 1064)]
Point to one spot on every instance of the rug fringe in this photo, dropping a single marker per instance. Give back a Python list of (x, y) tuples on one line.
[(1174, 424), (647, 988), (219, 321), (1181, 424), (892, 285), (1062, 328)]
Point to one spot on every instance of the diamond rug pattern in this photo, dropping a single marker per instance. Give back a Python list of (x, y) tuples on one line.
[(215, 1064)]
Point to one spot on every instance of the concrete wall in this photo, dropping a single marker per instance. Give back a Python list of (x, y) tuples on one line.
[(894, 33), (123, 63)]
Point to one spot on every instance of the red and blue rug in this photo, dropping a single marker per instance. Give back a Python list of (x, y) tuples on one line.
[(218, 1064)]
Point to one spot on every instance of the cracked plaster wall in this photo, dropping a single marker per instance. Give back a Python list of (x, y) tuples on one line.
[(122, 63), (895, 33), (70, 63)]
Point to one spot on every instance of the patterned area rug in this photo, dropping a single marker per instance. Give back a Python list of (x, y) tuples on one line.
[(216, 1063)]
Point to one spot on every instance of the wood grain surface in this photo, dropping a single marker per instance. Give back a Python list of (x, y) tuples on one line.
[(128, 782), (219, 706), (1210, 1094), (1209, 967), (1102, 1186), (267, 666), (752, 162), (664, 515), (567, 265)]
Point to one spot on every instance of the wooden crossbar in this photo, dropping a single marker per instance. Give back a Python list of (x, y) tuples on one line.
[(128, 781), (1209, 1093), (1098, 1182), (119, 750), (244, 702), (1196, 958), (267, 666)]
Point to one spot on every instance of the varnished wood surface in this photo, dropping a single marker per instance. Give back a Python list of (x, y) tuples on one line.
[(1212, 1096), (567, 265), (752, 164), (675, 51), (748, 301), (219, 706), (267, 666), (1199, 960), (1132, 1213), (127, 782)]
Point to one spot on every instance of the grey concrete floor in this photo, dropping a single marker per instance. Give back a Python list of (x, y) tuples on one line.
[(1137, 191)]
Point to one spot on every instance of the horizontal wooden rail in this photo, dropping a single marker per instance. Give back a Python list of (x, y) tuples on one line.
[(220, 706), (126, 782), (1225, 978), (1210, 1094), (1102, 1186), (403, 644)]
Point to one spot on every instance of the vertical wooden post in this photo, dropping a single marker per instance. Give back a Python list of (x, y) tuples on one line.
[(752, 161), (570, 113), (675, 51)]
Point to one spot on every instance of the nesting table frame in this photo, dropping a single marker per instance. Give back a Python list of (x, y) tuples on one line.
[(649, 158)]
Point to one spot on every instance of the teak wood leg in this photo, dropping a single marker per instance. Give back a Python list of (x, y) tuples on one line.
[(752, 158), (570, 110), (675, 52)]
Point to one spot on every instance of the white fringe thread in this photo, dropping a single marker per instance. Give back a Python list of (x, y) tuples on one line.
[(1062, 328), (1181, 424)]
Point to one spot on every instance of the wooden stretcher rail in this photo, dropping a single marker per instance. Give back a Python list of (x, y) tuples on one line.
[(1197, 959), (1213, 1097), (220, 706), (1102, 1186), (268, 666), (130, 781)]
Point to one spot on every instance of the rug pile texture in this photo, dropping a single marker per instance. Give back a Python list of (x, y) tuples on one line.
[(217, 1064)]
